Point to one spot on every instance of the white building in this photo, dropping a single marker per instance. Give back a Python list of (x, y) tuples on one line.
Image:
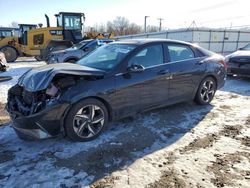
[(217, 40)]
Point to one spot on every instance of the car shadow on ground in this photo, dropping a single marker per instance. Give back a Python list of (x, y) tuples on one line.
[(148, 133), (122, 144)]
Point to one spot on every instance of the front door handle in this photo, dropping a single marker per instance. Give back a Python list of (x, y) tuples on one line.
[(162, 72), (199, 62)]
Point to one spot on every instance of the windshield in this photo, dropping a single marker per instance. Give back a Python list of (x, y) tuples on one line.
[(72, 22), (6, 33), (106, 57)]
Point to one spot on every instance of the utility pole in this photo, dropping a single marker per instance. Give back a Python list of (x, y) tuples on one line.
[(145, 23), (160, 19)]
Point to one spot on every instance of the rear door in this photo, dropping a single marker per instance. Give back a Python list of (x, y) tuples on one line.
[(186, 71)]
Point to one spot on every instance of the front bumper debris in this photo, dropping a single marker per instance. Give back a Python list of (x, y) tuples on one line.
[(45, 124)]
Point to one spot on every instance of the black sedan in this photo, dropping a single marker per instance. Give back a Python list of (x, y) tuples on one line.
[(238, 63), (115, 81), (76, 52)]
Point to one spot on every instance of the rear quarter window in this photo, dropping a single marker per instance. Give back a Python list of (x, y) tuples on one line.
[(179, 52), (203, 52)]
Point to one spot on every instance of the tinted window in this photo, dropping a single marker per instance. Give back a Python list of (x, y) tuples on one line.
[(147, 57), (38, 39), (179, 52)]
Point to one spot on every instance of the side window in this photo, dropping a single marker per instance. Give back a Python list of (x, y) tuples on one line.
[(91, 46), (38, 39), (148, 56), (179, 52)]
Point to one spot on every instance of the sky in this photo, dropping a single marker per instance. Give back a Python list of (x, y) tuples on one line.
[(175, 13)]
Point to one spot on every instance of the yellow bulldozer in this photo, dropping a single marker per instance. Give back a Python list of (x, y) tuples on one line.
[(40, 41), (8, 38)]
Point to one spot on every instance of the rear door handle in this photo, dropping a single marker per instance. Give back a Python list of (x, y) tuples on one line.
[(162, 72)]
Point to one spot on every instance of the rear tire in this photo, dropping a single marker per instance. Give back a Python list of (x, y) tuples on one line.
[(86, 120), (206, 91), (10, 53)]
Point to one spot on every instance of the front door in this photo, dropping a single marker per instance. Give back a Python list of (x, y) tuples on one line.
[(138, 91)]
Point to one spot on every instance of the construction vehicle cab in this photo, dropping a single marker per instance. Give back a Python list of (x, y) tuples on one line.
[(23, 30), (72, 25), (67, 33), (40, 41)]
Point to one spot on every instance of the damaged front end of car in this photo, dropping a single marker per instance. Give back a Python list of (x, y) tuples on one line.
[(36, 105)]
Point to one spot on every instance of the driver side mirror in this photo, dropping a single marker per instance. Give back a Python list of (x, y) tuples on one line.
[(136, 68)]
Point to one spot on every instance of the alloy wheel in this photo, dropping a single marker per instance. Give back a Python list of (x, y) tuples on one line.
[(88, 121), (207, 91)]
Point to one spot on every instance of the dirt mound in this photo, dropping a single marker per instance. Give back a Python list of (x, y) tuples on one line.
[(224, 165)]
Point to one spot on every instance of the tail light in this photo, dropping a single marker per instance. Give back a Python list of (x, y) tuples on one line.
[(223, 63)]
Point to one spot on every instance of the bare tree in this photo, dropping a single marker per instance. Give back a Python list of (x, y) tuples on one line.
[(152, 28), (133, 29), (110, 27), (14, 24), (99, 28), (121, 26)]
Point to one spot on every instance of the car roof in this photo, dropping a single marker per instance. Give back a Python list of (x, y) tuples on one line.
[(147, 40), (101, 40)]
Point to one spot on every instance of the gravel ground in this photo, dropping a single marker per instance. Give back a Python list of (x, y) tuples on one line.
[(183, 145)]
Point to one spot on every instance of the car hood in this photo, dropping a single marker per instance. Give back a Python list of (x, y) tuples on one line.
[(39, 78), (64, 51)]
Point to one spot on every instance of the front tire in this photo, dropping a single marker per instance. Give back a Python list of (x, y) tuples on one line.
[(10, 53), (86, 120), (206, 91)]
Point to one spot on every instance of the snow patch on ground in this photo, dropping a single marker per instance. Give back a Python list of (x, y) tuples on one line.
[(15, 70)]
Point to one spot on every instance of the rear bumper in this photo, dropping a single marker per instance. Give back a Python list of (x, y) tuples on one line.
[(45, 124), (239, 69)]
